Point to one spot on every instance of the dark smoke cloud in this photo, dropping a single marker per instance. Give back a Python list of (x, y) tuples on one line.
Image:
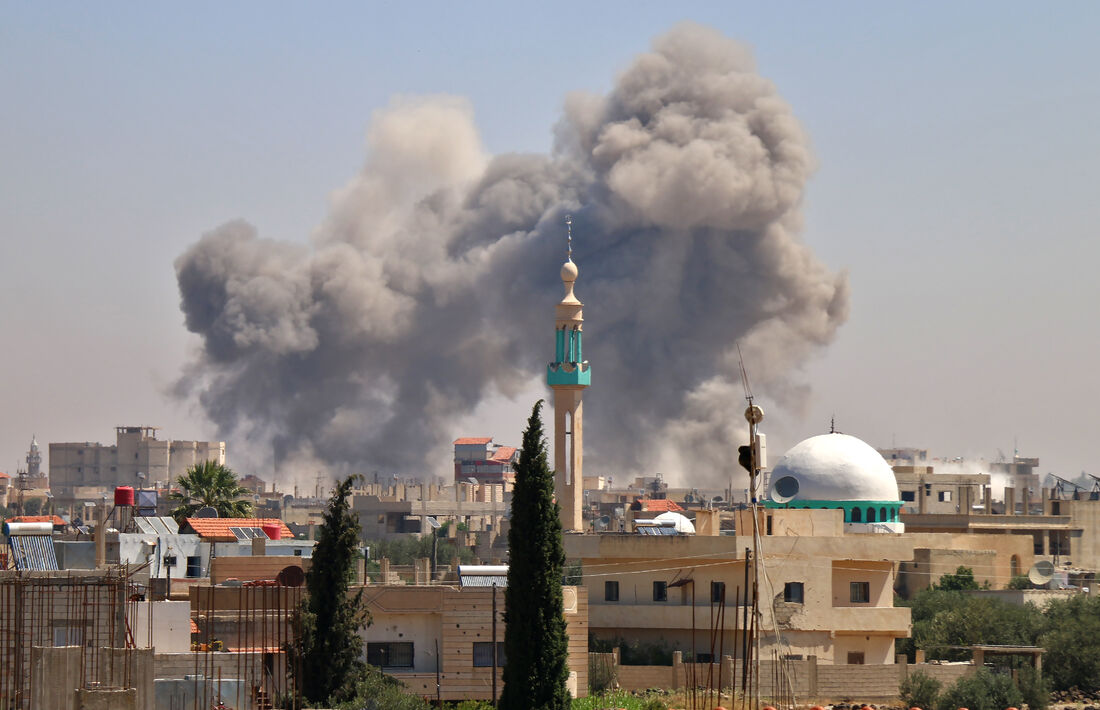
[(430, 286)]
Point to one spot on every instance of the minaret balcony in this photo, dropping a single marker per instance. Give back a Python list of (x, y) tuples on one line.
[(569, 373)]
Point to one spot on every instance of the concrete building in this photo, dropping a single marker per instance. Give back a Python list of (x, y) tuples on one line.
[(136, 450), (925, 491), (568, 375), (479, 458)]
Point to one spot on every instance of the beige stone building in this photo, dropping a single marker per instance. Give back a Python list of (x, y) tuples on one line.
[(136, 450), (422, 635)]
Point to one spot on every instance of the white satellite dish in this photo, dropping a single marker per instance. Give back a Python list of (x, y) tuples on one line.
[(207, 512), (784, 489), (1041, 572)]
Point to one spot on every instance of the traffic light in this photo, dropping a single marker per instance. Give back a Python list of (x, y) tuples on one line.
[(744, 457)]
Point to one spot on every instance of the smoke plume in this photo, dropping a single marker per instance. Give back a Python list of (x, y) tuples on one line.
[(431, 284)]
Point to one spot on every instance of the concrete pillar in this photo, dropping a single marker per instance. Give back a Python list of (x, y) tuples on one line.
[(55, 674), (107, 700), (384, 570), (101, 535), (811, 676), (1025, 497), (727, 673), (259, 546), (918, 656), (1010, 500), (1046, 500), (678, 670), (988, 495), (129, 668)]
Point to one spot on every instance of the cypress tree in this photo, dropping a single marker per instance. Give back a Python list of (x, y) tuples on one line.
[(535, 643), (329, 652)]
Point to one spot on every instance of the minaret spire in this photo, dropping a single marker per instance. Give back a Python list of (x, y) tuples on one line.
[(568, 375), (569, 237)]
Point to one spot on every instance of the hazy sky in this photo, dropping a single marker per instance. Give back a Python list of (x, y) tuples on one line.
[(959, 161)]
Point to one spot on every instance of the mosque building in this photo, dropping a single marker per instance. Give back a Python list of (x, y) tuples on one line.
[(836, 471)]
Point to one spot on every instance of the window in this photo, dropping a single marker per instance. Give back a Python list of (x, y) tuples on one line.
[(392, 654), (857, 515), (870, 515), (945, 496), (483, 654), (768, 526), (861, 592), (908, 496), (660, 591), (194, 566), (882, 515), (855, 658), (611, 591), (717, 592), (793, 592), (169, 560), (68, 636)]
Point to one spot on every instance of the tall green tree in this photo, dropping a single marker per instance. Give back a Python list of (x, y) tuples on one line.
[(210, 484), (535, 642), (329, 650)]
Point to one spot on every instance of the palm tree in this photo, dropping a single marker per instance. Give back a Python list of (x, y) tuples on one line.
[(210, 484)]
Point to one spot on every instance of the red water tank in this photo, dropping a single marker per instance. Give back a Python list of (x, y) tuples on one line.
[(124, 495), (274, 531)]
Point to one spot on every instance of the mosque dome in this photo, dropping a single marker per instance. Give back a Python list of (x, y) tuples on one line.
[(833, 467)]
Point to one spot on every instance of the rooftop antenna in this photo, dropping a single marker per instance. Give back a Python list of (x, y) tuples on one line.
[(569, 237), (744, 374), (832, 425)]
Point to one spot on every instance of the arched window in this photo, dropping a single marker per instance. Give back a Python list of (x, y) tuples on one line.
[(870, 515), (857, 515), (882, 515)]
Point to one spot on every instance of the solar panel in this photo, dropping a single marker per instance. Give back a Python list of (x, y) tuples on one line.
[(33, 552), (239, 533)]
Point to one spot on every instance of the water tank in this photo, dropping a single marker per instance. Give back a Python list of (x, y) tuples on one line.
[(124, 496), (274, 531)]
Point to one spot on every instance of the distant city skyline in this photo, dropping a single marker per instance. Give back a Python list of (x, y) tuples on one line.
[(955, 151)]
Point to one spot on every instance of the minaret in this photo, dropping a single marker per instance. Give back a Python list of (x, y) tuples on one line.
[(34, 459), (568, 375)]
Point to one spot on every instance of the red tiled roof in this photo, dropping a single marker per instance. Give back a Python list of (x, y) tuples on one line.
[(504, 453), (194, 627), (473, 440), (55, 519), (659, 505), (217, 529), (4, 475)]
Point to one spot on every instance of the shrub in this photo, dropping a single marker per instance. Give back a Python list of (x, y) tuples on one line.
[(920, 690), (377, 691), (618, 699), (1034, 687), (981, 691)]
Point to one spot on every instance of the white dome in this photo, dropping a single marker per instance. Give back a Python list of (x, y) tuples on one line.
[(833, 467)]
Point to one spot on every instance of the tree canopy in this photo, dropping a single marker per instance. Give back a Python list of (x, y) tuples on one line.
[(536, 647), (329, 652), (210, 484)]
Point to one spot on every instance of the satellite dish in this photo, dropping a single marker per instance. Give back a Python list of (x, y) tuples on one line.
[(291, 576), (1041, 572), (606, 520), (784, 489), (207, 512)]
